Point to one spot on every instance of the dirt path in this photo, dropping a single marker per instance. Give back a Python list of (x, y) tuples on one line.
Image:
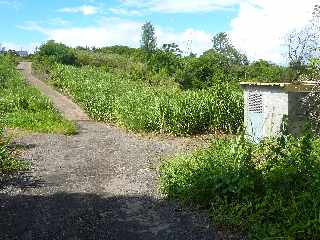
[(98, 184), (70, 110)]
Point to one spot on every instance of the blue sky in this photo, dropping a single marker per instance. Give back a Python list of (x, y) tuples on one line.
[(257, 27)]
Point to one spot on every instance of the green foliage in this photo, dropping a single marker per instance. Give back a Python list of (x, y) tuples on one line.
[(121, 50), (141, 107), (109, 61), (269, 190), (8, 163), (56, 52), (206, 71), (22, 106), (263, 71), (313, 69), (164, 60), (172, 47), (148, 38), (221, 64)]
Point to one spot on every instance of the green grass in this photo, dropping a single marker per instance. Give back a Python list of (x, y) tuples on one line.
[(136, 105), (23, 106), (8, 163), (267, 191)]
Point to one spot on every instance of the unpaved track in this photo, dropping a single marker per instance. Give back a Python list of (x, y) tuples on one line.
[(70, 110), (98, 184)]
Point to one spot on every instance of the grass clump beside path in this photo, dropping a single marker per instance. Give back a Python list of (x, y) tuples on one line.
[(139, 106), (23, 106), (268, 191), (8, 163)]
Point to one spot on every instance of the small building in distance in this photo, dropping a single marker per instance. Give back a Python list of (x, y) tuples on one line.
[(22, 53), (268, 105)]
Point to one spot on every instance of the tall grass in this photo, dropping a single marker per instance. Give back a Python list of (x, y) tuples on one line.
[(139, 106)]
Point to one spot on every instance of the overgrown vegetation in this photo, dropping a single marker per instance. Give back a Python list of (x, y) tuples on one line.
[(270, 190), (22, 106), (151, 89), (139, 106), (157, 89)]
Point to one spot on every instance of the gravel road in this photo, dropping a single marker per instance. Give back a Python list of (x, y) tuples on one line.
[(98, 184)]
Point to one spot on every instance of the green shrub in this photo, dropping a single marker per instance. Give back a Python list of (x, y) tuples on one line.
[(56, 52), (268, 191)]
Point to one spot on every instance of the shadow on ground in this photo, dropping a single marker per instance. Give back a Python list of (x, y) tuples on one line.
[(90, 216), (23, 181)]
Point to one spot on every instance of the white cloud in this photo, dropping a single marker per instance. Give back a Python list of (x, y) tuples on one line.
[(190, 6), (126, 12), (115, 31), (190, 40), (85, 10), (184, 6), (261, 26)]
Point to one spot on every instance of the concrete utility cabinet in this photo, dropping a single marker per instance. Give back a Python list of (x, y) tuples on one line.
[(268, 104)]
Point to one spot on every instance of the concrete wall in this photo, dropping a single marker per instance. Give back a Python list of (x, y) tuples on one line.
[(298, 114), (274, 108)]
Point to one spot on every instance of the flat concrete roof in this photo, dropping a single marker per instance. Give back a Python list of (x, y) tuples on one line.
[(305, 86)]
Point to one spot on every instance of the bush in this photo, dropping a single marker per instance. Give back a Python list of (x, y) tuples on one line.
[(121, 50), (270, 190), (56, 53), (209, 69)]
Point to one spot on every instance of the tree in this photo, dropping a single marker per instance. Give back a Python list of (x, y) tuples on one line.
[(148, 38), (304, 44), (316, 11), (310, 57), (223, 45)]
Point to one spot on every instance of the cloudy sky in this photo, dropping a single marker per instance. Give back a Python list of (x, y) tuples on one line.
[(257, 27)]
